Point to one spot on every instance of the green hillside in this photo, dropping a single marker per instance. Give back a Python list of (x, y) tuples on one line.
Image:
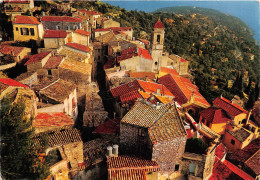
[(219, 46)]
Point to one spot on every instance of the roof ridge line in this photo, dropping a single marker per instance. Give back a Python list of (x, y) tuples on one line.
[(161, 115)]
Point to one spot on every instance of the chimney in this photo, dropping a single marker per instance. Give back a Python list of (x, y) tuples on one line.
[(248, 116), (115, 150), (109, 151), (158, 91)]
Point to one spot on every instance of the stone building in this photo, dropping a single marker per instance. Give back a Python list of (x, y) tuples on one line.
[(155, 132), (81, 37), (178, 63), (68, 143), (18, 7), (94, 114), (117, 46), (26, 28), (53, 39), (64, 23), (18, 53), (135, 59), (37, 61), (116, 30), (62, 93), (108, 23), (90, 15)]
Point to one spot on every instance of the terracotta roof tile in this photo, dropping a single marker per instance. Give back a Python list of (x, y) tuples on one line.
[(82, 32), (254, 163), (182, 88), (25, 20), (115, 29), (228, 106), (159, 24), (169, 71), (132, 96), (149, 75), (244, 154), (53, 62), (148, 87), (135, 51), (11, 82), (57, 119), (55, 34), (109, 127), (221, 171), (76, 66), (168, 127), (89, 12), (78, 47), (126, 167), (240, 134), (213, 115), (60, 19), (237, 171), (107, 37), (58, 91), (11, 50), (144, 115), (37, 58), (220, 151), (59, 136), (17, 1)]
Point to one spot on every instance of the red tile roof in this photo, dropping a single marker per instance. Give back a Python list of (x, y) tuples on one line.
[(182, 89), (228, 106), (238, 171), (25, 20), (37, 58), (52, 120), (221, 171), (220, 151), (61, 18), (89, 12), (82, 32), (55, 34), (145, 41), (244, 154), (254, 163), (131, 97), (135, 51), (17, 1), (110, 63), (149, 75), (169, 71), (78, 47), (149, 87), (11, 50), (127, 167), (53, 62), (11, 82), (109, 127), (213, 115), (115, 29), (159, 24), (183, 60)]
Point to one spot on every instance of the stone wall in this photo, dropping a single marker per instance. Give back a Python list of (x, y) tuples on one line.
[(168, 153), (53, 25), (54, 42), (115, 81), (132, 142), (74, 154)]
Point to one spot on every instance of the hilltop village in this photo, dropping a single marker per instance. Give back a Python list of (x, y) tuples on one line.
[(111, 106)]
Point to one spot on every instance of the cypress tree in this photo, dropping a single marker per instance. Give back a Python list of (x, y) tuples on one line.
[(248, 88), (19, 156), (256, 91), (251, 101)]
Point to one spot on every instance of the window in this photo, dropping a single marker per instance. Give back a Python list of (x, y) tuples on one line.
[(141, 132), (232, 141), (243, 121), (75, 27), (158, 38), (32, 31), (57, 27), (16, 28), (68, 27), (49, 72), (26, 31), (156, 63), (177, 167), (21, 29)]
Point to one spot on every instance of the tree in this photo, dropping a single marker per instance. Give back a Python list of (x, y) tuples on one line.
[(248, 88), (196, 145), (256, 91), (19, 156), (251, 101)]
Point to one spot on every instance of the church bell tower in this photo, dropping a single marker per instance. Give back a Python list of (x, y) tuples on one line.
[(157, 44)]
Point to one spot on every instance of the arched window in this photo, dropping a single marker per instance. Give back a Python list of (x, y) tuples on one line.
[(158, 38), (155, 63)]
